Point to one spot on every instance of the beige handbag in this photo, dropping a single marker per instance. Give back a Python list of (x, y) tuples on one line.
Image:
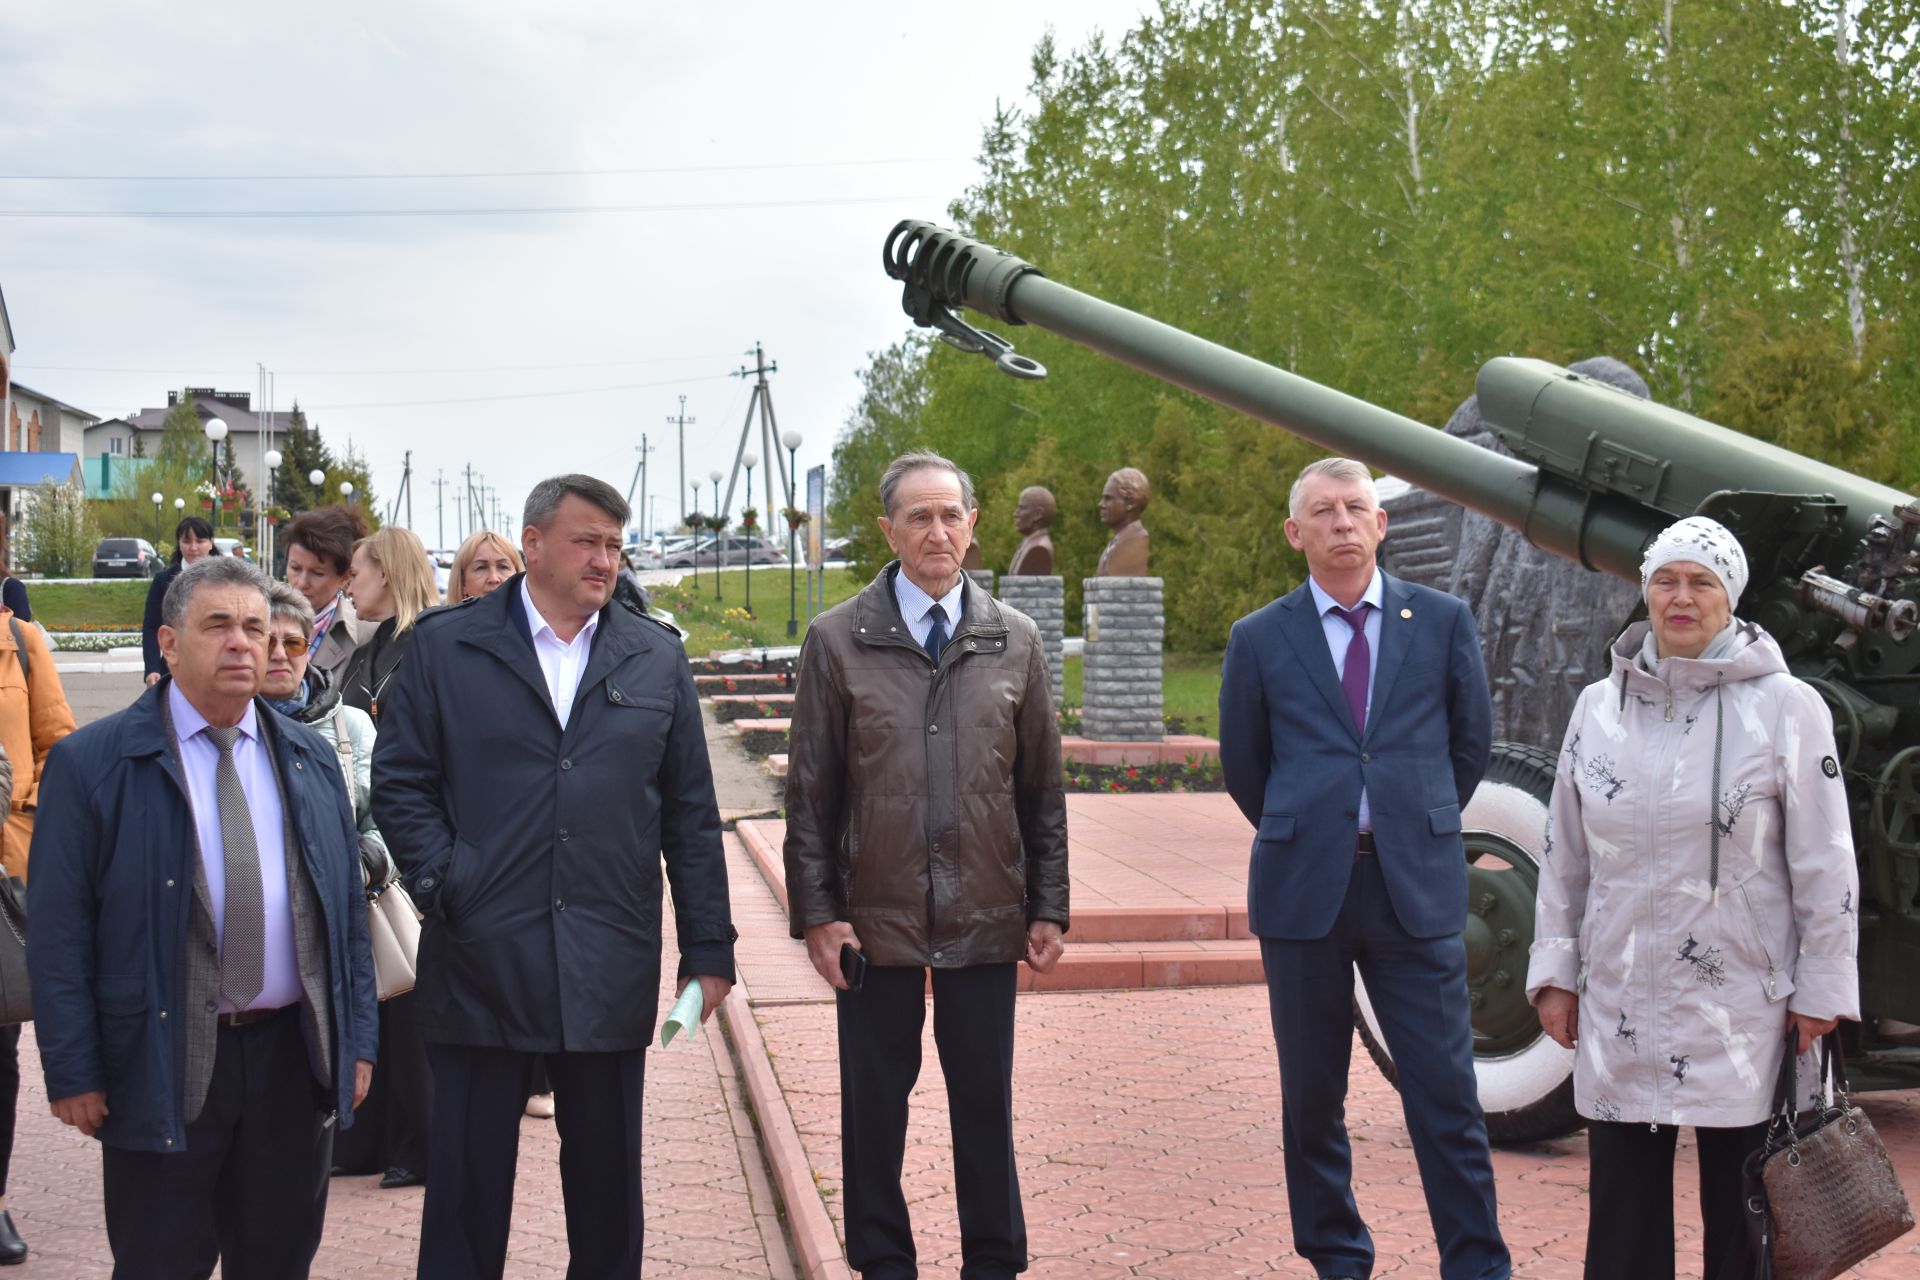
[(393, 926), (393, 923)]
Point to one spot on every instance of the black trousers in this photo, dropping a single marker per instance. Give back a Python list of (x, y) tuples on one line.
[(390, 1129), (9, 1097), (1630, 1215), (479, 1098), (880, 1030), (250, 1190)]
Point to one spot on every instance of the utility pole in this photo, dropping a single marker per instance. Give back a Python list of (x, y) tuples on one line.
[(682, 421), (761, 400), (639, 482), (440, 504)]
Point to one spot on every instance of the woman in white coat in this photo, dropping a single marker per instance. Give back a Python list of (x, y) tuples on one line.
[(1697, 902)]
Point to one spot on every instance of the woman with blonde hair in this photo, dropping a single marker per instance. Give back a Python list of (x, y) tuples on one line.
[(392, 585), (485, 561)]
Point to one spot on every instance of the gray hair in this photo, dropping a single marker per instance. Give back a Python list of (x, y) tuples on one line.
[(549, 494), (1333, 469), (285, 602), (898, 469), (217, 571)]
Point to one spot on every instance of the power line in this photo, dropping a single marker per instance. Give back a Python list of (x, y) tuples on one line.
[(520, 395), (345, 373), (710, 206), (504, 173)]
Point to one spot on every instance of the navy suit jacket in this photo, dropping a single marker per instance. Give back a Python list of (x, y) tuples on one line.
[(1295, 765)]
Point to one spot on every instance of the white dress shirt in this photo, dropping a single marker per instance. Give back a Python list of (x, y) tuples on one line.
[(200, 760), (916, 606), (1339, 636), (561, 661)]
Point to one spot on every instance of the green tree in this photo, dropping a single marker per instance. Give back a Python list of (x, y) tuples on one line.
[(56, 534), (302, 453)]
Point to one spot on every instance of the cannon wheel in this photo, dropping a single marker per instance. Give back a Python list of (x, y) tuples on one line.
[(1526, 1080)]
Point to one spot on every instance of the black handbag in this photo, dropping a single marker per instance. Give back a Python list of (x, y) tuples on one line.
[(1821, 1193), (16, 996)]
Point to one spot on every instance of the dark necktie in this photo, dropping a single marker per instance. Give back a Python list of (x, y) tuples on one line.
[(937, 633), (243, 942), (1353, 679)]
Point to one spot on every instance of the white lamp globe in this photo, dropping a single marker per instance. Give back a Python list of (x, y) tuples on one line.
[(179, 504), (273, 458), (316, 477), (346, 488), (791, 439), (216, 430)]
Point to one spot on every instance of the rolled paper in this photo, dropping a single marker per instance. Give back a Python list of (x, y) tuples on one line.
[(685, 1014)]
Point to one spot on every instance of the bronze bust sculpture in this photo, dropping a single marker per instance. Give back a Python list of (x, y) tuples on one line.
[(1121, 503), (1033, 517)]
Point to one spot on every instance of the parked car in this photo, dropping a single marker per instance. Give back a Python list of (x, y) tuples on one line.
[(232, 547), (732, 555), (126, 558), (835, 549)]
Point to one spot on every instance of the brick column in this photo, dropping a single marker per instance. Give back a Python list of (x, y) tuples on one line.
[(1044, 599), (1125, 626), (982, 578)]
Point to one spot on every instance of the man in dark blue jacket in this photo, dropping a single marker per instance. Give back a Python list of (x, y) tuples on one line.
[(1354, 725), (540, 749), (203, 986)]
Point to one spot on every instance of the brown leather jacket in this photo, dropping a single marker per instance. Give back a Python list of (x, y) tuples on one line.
[(925, 806)]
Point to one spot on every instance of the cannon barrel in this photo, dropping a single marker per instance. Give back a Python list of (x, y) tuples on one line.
[(1597, 474)]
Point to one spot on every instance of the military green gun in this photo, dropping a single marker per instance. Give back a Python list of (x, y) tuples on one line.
[(1596, 473)]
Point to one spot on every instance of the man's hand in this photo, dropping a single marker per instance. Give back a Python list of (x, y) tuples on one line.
[(153, 680), (84, 1111), (1044, 947), (823, 948), (1559, 1016), (1811, 1029), (712, 991), (362, 1081)]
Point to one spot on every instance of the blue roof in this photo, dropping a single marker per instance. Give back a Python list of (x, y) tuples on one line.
[(24, 470)]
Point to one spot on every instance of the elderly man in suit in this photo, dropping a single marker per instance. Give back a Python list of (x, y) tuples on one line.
[(202, 981), (1354, 725), (540, 749)]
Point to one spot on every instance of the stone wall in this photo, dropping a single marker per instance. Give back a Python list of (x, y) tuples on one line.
[(1044, 599), (1126, 624)]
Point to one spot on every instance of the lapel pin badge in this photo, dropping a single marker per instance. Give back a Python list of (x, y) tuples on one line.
[(1406, 613)]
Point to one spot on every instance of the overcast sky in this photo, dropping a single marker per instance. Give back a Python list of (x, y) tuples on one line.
[(528, 344)]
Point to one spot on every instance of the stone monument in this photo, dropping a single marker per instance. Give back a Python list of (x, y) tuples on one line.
[(970, 563), (1545, 623), (1122, 503), (1125, 624), (1034, 518)]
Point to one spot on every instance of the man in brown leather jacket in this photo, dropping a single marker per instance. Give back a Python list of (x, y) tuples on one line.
[(927, 828)]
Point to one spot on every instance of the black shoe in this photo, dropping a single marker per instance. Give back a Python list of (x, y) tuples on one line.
[(13, 1250), (397, 1177)]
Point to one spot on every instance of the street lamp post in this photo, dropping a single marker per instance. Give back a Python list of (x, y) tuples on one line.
[(157, 500), (346, 491), (216, 432), (749, 459), (318, 478), (791, 439), (272, 459), (717, 513)]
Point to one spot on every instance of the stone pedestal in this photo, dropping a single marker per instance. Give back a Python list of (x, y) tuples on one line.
[(1125, 626), (982, 578), (1044, 599)]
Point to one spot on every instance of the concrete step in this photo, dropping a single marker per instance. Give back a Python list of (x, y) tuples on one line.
[(1175, 748), (777, 764)]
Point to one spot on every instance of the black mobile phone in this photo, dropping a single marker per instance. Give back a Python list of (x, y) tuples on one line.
[(853, 966)]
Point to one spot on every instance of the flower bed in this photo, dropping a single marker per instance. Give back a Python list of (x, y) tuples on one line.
[(755, 710), (763, 742), (94, 641), (1195, 774), (745, 667)]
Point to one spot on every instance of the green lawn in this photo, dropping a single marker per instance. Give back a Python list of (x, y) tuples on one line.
[(1190, 690), (58, 606), (724, 623)]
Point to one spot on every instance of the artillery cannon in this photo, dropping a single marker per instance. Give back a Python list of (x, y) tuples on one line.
[(1594, 474)]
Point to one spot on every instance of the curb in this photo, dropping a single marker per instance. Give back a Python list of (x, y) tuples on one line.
[(816, 1246)]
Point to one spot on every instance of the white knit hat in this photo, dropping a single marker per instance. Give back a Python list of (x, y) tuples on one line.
[(1704, 542)]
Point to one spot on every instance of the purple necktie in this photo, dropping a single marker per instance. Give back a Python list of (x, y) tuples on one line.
[(1353, 678)]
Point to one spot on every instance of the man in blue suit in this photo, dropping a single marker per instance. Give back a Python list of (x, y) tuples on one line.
[(1354, 724)]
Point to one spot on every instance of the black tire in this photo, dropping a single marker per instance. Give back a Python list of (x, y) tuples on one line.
[(1526, 1081)]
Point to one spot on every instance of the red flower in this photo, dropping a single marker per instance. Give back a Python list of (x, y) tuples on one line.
[(1132, 772)]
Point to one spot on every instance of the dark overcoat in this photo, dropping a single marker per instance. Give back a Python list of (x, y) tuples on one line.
[(535, 853), (113, 873)]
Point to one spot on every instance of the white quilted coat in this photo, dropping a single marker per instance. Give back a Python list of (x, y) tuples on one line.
[(1684, 990)]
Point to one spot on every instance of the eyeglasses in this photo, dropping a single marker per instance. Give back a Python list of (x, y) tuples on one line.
[(294, 645)]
